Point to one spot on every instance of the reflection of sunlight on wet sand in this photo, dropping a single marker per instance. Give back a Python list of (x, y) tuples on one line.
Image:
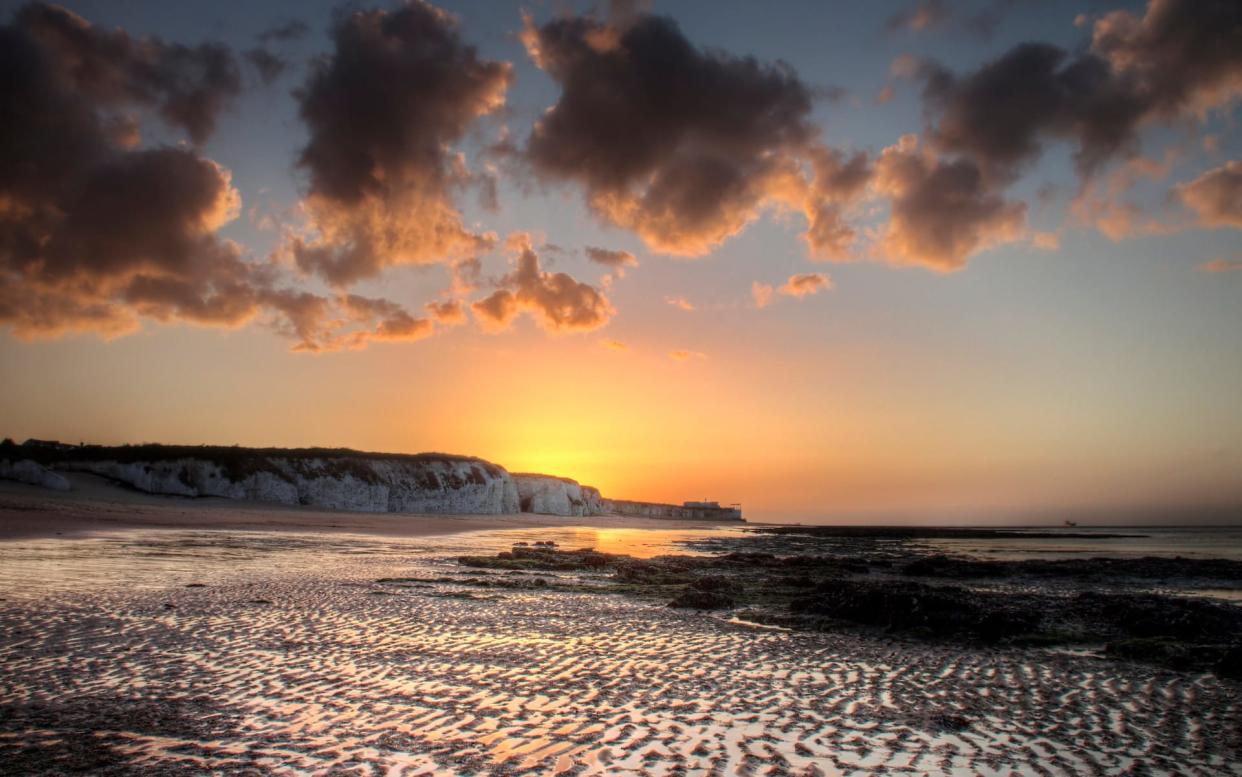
[(640, 543), (155, 558), (630, 542)]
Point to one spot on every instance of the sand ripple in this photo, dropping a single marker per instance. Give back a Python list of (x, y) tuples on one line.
[(326, 672)]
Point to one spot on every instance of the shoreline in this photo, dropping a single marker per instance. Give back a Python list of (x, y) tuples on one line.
[(97, 505)]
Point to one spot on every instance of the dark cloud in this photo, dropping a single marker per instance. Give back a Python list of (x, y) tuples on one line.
[(188, 86), (682, 146), (1001, 114), (922, 15), (390, 320), (1216, 196), (94, 232), (942, 211), (983, 22), (980, 22), (449, 312), (838, 181), (1179, 59), (320, 324), (268, 65), (610, 258), (284, 32), (558, 302), (97, 233), (399, 88)]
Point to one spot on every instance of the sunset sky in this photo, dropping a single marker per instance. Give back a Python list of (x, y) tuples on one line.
[(835, 261)]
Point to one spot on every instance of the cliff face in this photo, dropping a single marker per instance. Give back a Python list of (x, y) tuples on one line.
[(32, 473), (557, 496), (673, 512), (331, 478), (379, 485)]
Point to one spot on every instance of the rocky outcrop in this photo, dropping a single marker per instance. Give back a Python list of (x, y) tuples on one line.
[(551, 495), (32, 473)]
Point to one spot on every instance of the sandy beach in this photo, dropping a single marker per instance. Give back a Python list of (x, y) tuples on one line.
[(95, 504), (162, 637)]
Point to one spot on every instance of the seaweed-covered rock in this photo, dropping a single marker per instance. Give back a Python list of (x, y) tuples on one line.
[(694, 599), (936, 611), (714, 583), (1230, 664)]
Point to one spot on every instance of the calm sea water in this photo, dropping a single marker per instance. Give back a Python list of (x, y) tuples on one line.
[(159, 558), (1190, 542)]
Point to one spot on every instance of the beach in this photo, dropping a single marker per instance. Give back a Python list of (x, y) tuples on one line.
[(182, 644), (96, 504)]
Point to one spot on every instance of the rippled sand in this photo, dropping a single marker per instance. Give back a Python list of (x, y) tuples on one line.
[(297, 662)]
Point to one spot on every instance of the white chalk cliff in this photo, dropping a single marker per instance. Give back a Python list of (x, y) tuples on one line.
[(364, 484), (551, 495), (32, 473), (336, 479)]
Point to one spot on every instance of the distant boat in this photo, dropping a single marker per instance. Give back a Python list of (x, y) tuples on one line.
[(1071, 524)]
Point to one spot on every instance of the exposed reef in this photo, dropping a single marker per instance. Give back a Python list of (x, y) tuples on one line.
[(872, 594)]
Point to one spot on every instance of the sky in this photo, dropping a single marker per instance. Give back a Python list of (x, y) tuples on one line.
[(901, 261)]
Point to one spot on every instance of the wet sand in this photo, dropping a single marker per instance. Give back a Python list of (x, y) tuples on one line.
[(325, 671), (175, 651), (97, 505)]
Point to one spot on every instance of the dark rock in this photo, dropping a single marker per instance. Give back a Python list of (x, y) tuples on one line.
[(1230, 664), (1151, 650), (712, 583), (935, 611), (693, 599)]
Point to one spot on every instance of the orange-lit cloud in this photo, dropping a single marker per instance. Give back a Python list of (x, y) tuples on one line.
[(614, 345), (557, 301), (943, 211), (684, 355), (1216, 196), (449, 312), (797, 286), (1221, 266), (806, 284), (761, 293), (839, 180), (320, 324), (1102, 202), (922, 15), (383, 110), (680, 302)]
